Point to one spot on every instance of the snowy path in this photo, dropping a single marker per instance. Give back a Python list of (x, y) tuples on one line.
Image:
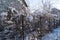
[(55, 35)]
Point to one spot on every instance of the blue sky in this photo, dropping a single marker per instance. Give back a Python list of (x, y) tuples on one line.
[(35, 4)]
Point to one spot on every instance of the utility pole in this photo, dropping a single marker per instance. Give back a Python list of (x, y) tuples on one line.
[(24, 5), (22, 27)]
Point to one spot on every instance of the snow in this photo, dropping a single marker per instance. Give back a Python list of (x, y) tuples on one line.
[(55, 35)]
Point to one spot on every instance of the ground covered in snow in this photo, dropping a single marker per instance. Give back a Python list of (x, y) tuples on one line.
[(55, 35)]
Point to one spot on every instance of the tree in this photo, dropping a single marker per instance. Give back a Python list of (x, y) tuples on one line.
[(46, 6)]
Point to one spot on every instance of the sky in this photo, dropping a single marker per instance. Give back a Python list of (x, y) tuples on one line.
[(35, 4), (57, 4)]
